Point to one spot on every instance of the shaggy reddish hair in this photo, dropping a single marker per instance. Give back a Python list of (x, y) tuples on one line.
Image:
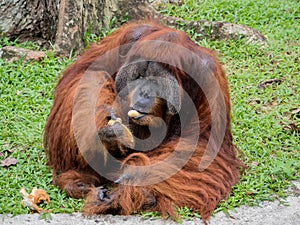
[(199, 189)]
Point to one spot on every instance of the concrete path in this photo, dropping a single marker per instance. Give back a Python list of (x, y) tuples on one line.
[(272, 213)]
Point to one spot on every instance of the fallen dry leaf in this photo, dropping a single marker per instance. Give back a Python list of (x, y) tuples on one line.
[(9, 161), (9, 150), (294, 127), (265, 83), (254, 163), (295, 111)]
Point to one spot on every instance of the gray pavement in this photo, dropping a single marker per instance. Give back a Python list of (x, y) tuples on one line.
[(274, 213)]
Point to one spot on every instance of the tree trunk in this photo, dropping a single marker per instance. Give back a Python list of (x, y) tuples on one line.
[(28, 19), (79, 16), (64, 22)]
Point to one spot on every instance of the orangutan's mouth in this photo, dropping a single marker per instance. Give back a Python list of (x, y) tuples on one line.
[(136, 115)]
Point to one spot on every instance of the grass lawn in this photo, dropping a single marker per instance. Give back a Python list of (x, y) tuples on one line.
[(266, 122)]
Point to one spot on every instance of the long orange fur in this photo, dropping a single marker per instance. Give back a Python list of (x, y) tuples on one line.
[(198, 190)]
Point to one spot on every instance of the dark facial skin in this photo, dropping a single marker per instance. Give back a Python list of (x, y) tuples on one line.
[(150, 90), (148, 98)]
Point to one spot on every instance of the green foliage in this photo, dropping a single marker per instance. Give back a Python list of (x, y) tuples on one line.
[(4, 41), (90, 37), (264, 127), (26, 97)]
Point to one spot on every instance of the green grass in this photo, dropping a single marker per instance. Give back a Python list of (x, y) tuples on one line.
[(26, 97), (261, 118)]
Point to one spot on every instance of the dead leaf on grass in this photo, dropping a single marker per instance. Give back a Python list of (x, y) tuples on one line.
[(294, 127), (255, 163), (9, 150), (9, 161), (249, 193), (290, 126), (267, 107), (295, 111), (266, 83)]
